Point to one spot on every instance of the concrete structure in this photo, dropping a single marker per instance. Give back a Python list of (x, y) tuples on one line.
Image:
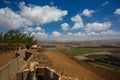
[(33, 72), (42, 73), (8, 72)]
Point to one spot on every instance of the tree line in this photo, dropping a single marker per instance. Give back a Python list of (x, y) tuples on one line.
[(15, 36)]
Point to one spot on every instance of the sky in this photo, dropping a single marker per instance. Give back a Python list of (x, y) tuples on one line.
[(62, 20)]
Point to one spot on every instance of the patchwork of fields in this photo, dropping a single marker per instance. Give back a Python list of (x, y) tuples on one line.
[(98, 56)]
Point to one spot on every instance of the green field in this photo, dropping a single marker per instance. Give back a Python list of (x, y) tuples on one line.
[(80, 51), (105, 60)]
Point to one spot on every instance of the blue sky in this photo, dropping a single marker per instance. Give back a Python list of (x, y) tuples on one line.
[(62, 20)]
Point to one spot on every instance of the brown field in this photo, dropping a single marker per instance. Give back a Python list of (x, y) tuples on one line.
[(6, 57), (73, 68)]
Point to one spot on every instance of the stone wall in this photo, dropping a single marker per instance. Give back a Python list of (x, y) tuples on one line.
[(8, 72)]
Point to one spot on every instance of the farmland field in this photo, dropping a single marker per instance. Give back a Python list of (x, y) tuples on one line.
[(80, 51), (102, 59), (106, 60)]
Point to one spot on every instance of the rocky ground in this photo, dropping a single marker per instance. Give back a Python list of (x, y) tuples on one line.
[(43, 60)]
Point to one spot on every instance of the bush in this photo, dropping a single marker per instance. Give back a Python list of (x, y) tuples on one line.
[(16, 37)]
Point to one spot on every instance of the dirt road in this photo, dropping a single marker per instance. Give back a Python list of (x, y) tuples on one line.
[(73, 68)]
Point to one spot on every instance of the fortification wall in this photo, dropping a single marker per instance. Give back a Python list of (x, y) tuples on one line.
[(42, 73), (9, 71)]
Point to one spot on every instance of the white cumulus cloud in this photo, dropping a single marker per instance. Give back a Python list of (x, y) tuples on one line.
[(65, 26), (109, 32), (39, 35), (79, 34), (97, 26), (42, 14), (92, 33), (56, 34), (117, 11), (78, 22), (11, 20), (69, 34), (31, 29), (87, 12)]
